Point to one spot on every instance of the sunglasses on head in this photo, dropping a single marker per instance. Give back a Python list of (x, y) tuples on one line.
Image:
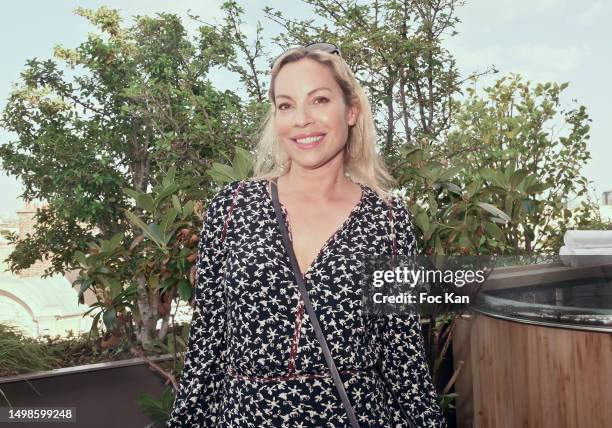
[(325, 47)]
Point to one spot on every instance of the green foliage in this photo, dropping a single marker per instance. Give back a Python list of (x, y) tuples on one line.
[(171, 344), (92, 145), (446, 401), (138, 281), (140, 103), (240, 168), (454, 217), (529, 150), (19, 354), (586, 216), (157, 409), (126, 151), (409, 75), (501, 200)]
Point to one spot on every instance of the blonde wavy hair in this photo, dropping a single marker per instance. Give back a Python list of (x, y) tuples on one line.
[(361, 162)]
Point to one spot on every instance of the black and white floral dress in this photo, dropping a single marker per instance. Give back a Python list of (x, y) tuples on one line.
[(253, 359)]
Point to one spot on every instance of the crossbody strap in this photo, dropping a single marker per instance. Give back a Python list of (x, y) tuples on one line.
[(311, 313)]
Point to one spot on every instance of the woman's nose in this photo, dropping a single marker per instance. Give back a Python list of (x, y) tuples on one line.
[(302, 117)]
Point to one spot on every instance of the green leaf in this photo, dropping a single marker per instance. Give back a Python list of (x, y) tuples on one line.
[(219, 177), (464, 240), (150, 231), (493, 210), (449, 173), (433, 204), (115, 241), (169, 177), (188, 209), (498, 220), (493, 230), (493, 176), (145, 201), (165, 193), (167, 284), (517, 177), (80, 257), (85, 284), (427, 236), (110, 319), (224, 169), (422, 221), (453, 188), (413, 155), (242, 163), (113, 284), (184, 289), (167, 220), (134, 194), (509, 172), (176, 203), (154, 281), (472, 188), (155, 231), (94, 325)]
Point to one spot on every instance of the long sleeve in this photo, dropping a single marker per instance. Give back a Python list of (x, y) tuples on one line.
[(198, 399), (404, 363)]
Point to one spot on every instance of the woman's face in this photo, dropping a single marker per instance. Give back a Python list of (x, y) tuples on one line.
[(311, 117)]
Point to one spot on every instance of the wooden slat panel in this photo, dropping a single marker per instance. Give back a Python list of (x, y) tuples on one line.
[(532, 376), (494, 375), (463, 384), (593, 367), (556, 379)]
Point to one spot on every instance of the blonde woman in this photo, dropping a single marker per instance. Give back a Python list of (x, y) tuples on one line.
[(278, 336)]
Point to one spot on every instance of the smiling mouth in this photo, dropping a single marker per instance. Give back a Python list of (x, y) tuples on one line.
[(309, 140)]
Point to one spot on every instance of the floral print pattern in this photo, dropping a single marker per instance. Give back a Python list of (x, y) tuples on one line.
[(253, 359)]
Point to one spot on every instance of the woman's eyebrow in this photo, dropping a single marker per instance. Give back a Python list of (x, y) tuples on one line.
[(308, 94)]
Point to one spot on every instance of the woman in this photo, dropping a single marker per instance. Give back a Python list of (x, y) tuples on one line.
[(253, 356)]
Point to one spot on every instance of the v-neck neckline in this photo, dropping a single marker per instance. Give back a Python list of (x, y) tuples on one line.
[(327, 243)]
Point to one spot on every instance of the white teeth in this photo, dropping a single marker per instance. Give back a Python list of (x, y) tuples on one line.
[(309, 140)]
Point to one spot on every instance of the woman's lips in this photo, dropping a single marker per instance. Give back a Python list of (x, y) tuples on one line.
[(309, 142)]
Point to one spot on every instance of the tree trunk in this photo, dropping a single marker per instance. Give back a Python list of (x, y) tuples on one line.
[(148, 302)]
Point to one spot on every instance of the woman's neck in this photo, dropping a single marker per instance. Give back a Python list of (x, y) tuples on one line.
[(316, 184)]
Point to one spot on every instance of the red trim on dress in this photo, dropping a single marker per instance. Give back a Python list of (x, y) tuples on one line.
[(229, 212), (285, 378)]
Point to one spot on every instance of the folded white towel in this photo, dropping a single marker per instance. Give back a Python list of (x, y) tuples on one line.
[(588, 238)]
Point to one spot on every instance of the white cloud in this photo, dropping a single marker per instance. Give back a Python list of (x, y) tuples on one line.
[(537, 62), (595, 11), (490, 13)]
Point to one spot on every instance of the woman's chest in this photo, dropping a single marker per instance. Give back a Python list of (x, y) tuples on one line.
[(258, 267)]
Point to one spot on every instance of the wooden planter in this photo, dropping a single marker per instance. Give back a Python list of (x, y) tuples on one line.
[(521, 372), (105, 394), (531, 376)]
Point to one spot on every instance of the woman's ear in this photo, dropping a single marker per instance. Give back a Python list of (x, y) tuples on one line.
[(353, 114)]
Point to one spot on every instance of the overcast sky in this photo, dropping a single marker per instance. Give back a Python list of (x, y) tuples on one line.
[(544, 40)]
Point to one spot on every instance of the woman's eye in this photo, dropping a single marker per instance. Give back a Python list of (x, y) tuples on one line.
[(321, 100), (282, 106)]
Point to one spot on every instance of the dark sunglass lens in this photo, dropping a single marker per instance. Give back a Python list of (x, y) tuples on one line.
[(327, 47)]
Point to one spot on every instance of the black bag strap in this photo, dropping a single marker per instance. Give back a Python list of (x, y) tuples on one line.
[(311, 313)]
